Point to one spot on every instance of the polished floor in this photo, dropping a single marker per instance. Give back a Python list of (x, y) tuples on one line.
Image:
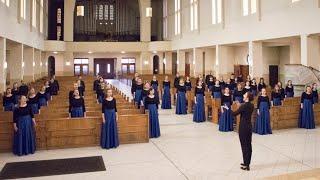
[(188, 150)]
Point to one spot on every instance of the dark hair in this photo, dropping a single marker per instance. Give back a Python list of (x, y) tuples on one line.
[(150, 90), (250, 96)]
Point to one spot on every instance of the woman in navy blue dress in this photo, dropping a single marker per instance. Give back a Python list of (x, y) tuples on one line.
[(48, 91), (181, 107), (24, 141), (276, 96), (8, 100), (210, 83), (145, 92), (254, 87), (42, 98), (109, 128), (155, 85), (216, 90), (137, 92), (100, 92), (315, 93), (199, 100), (226, 117), (247, 87), (77, 107), (289, 90), (306, 119), (81, 86), (261, 84), (238, 93), (222, 83), (15, 92), (262, 125), (281, 90), (54, 84), (188, 84), (166, 97), (33, 101), (152, 102)]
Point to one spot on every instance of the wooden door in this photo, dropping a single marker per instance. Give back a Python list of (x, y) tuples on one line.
[(273, 75), (241, 69), (187, 70), (104, 67)]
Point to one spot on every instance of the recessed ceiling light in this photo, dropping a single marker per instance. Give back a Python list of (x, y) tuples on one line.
[(122, 52), (90, 52), (55, 52), (154, 52)]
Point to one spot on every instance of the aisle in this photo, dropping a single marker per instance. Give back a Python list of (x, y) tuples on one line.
[(123, 87)]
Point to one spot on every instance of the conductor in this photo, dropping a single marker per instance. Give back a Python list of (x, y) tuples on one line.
[(245, 129)]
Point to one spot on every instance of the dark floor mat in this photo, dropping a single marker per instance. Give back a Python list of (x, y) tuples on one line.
[(52, 167)]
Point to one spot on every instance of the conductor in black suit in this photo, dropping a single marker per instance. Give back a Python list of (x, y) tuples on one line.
[(245, 129)]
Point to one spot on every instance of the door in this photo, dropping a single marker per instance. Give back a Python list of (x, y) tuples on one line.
[(187, 68), (51, 66), (174, 63), (104, 67), (81, 69), (273, 75), (156, 64), (241, 69)]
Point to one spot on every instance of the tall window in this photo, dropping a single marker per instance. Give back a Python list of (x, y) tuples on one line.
[(128, 65), (23, 9), (81, 66), (165, 19), (7, 2), (41, 16), (194, 14), (59, 24), (177, 15), (34, 13), (249, 6), (216, 11)]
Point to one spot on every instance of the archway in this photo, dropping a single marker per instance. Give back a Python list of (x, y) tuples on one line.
[(51, 66), (156, 64)]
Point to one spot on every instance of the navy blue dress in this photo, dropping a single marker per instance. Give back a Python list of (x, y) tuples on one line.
[(100, 94), (48, 93), (23, 90), (181, 107), (216, 91), (77, 107), (96, 84), (262, 125), (188, 85), (15, 93), (276, 98), (155, 85), (282, 92), (42, 98), (8, 103), (199, 112), (238, 95), (261, 86), (210, 84), (247, 89), (137, 89), (254, 89), (306, 119), (109, 129), (24, 141), (33, 102), (54, 87), (289, 91), (166, 97), (154, 126), (226, 118)]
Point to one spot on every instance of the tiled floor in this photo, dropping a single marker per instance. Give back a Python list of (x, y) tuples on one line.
[(187, 150)]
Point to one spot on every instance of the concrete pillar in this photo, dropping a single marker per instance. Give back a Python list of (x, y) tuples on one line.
[(181, 62), (37, 60), (310, 53), (68, 65), (256, 64), (145, 22), (197, 62), (224, 61), (295, 51), (28, 59), (43, 64), (69, 7), (161, 56), (3, 63), (168, 63), (210, 60), (15, 59)]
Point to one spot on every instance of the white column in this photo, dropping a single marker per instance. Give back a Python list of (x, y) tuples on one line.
[(197, 61), (28, 59), (310, 54), (68, 65), (145, 22), (43, 64), (168, 62), (181, 61), (3, 64), (224, 61), (37, 68), (69, 6), (15, 60), (304, 49), (257, 63)]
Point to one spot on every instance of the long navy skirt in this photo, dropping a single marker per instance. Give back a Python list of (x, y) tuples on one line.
[(9, 107), (109, 130), (35, 108), (100, 98), (16, 99), (199, 115), (166, 98), (48, 95), (306, 119), (42, 102), (315, 99), (226, 120), (289, 94), (156, 92), (262, 125), (154, 126), (217, 95), (138, 97), (276, 102), (77, 112), (239, 99), (24, 141), (181, 107), (254, 92)]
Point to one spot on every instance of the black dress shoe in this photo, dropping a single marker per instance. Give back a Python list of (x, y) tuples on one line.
[(242, 164), (246, 168)]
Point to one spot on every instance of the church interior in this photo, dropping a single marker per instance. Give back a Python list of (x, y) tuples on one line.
[(160, 89)]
